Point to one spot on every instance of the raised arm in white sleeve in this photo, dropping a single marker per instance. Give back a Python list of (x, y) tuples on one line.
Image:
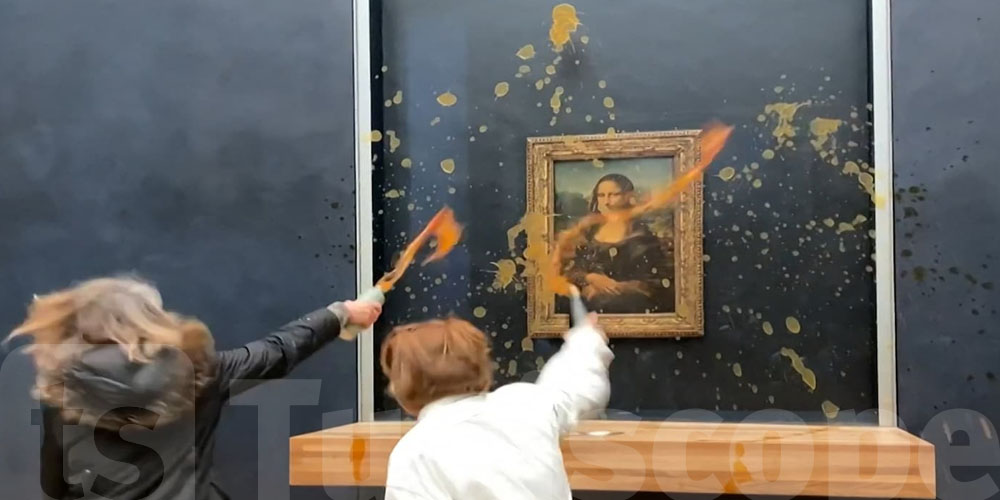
[(577, 376)]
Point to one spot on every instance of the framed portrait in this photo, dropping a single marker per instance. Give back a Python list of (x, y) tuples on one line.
[(644, 276)]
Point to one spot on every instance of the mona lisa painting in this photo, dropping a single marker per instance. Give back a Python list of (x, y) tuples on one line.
[(644, 275)]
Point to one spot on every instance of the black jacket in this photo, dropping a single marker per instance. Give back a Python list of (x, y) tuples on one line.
[(173, 460)]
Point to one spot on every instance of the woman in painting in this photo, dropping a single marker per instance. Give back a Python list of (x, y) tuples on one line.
[(621, 266)]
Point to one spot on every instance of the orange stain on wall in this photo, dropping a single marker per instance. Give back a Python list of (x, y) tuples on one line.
[(564, 22)]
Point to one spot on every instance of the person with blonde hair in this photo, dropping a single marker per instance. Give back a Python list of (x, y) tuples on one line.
[(469, 443), (109, 356)]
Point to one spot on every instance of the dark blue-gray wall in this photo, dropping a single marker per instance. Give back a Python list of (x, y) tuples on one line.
[(664, 75), (770, 255), (206, 145), (196, 142), (673, 64), (946, 100)]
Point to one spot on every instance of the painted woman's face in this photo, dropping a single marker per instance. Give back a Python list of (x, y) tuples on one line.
[(611, 197)]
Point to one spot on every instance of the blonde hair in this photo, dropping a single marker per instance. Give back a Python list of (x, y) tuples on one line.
[(434, 359), (126, 311)]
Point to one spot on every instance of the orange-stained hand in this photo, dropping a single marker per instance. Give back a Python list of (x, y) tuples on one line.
[(362, 314)]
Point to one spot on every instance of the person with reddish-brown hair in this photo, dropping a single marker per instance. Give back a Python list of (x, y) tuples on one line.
[(469, 443)]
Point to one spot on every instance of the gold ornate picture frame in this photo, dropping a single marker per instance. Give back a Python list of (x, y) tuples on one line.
[(677, 152)]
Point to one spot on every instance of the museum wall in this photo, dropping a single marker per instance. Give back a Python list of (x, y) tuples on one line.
[(202, 145), (945, 101), (788, 229)]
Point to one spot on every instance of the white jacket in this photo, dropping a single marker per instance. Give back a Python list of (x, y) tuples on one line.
[(503, 445)]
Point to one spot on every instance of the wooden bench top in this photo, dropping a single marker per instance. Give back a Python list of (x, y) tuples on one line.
[(682, 457)]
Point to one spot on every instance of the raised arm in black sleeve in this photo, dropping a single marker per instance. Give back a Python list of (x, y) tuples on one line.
[(275, 355)]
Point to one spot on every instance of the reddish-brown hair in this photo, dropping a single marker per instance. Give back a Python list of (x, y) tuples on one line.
[(434, 359)]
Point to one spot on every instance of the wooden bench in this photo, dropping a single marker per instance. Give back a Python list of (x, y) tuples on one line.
[(607, 455)]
